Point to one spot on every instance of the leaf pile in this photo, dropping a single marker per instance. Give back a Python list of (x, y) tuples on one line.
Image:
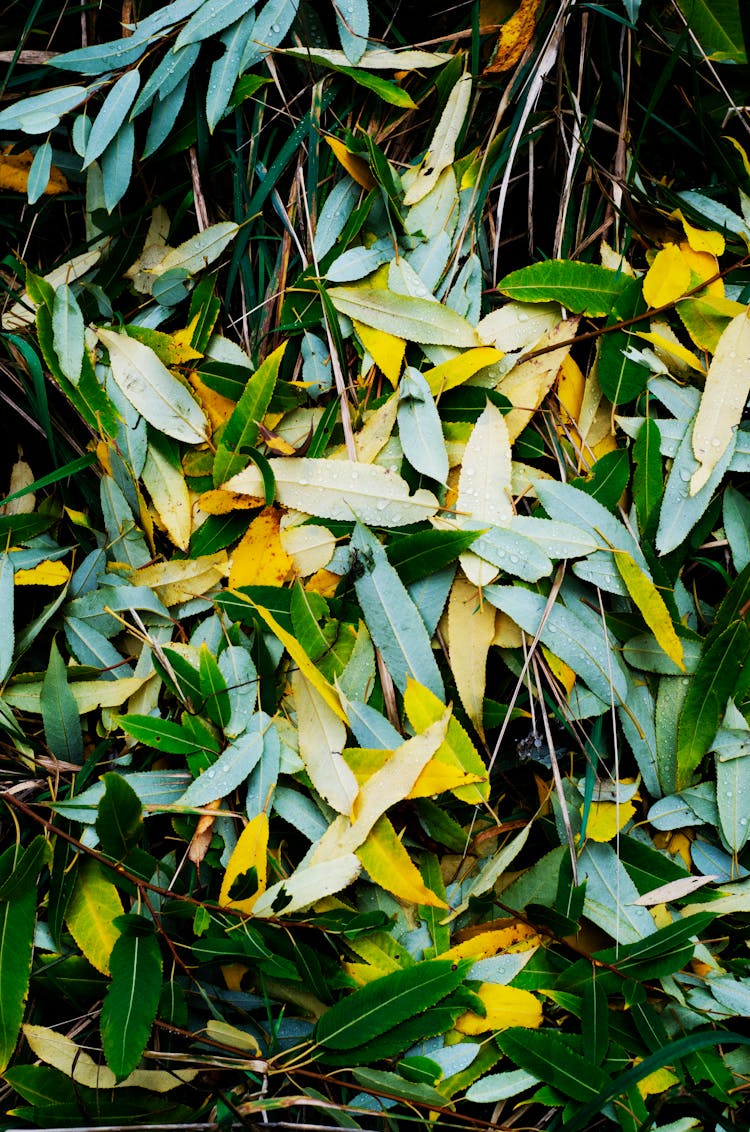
[(374, 654)]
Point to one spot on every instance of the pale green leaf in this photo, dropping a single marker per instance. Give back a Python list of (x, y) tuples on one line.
[(200, 250), (212, 17), (7, 623), (67, 331), (224, 71), (340, 489), (149, 386), (39, 173), (112, 115), (441, 150), (392, 619), (420, 429), (416, 320)]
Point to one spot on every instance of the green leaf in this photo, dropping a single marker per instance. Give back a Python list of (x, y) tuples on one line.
[(595, 1020), (392, 618), (608, 479), (112, 114), (384, 1003), (717, 26), (647, 479), (17, 918), (26, 871), (418, 556), (711, 686), (213, 686), (42, 112), (119, 820), (163, 735), (670, 1054), (241, 430), (583, 288), (62, 724), (133, 996), (549, 1056)]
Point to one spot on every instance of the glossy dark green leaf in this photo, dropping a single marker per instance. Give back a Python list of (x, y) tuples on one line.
[(419, 555), (17, 918), (381, 1005), (710, 687), (583, 288), (119, 821), (132, 998), (162, 734), (550, 1055), (241, 430)]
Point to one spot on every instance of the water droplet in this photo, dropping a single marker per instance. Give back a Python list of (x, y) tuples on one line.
[(732, 354), (303, 482), (275, 29), (514, 558), (685, 475), (743, 821), (467, 471), (381, 506), (522, 317), (715, 442), (211, 774)]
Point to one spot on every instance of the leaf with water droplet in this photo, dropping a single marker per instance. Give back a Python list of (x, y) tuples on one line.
[(724, 398)]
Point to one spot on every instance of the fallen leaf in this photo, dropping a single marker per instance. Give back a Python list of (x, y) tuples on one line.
[(506, 1006), (260, 559), (515, 36), (14, 173)]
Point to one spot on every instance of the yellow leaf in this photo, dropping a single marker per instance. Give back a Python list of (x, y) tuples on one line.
[(324, 582), (182, 579), (183, 341), (14, 173), (443, 772), (322, 736), (705, 266), (699, 240), (218, 409), (507, 633), (423, 708), (389, 785), (310, 547), (300, 658), (506, 1006), (356, 167), (219, 501), (233, 974), (45, 574), (376, 431), (677, 844), (651, 605), (21, 476), (231, 1036), (528, 384), (517, 937), (387, 350), (740, 150), (570, 388), (391, 867), (260, 558), (515, 36), (724, 398), (459, 369), (657, 1082), (93, 906), (471, 628), (607, 819), (667, 278), (166, 485), (560, 670), (673, 349), (250, 852), (62, 1053)]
